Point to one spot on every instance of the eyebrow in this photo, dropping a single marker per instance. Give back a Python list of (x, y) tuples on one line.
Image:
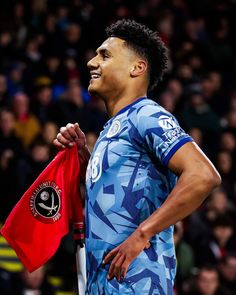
[(103, 51)]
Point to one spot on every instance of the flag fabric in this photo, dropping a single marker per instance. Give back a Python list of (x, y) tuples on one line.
[(41, 218)]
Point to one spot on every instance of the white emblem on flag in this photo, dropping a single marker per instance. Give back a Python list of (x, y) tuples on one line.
[(45, 202)]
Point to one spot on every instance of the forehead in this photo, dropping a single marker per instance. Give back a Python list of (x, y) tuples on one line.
[(113, 44)]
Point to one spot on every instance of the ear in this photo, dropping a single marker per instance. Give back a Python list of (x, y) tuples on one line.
[(139, 68)]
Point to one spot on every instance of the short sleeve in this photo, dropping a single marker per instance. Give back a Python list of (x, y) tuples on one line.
[(161, 132)]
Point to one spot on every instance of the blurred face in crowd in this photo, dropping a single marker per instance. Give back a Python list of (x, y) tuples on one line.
[(196, 135), (3, 84), (215, 79), (21, 104), (49, 132), (16, 74), (228, 268), (197, 100), (53, 63), (44, 95), (218, 202), (40, 153), (185, 72), (175, 88), (224, 162), (73, 33), (228, 142), (233, 102), (7, 122), (75, 93), (222, 234), (5, 38), (231, 118), (19, 10), (208, 282), (167, 101), (207, 87), (110, 69)]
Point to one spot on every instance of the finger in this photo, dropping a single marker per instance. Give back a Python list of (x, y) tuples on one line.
[(58, 144), (124, 268), (118, 272), (113, 266), (71, 131), (65, 133), (109, 256), (61, 139), (148, 245), (78, 131)]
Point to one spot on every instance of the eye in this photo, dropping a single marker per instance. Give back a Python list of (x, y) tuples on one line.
[(105, 56)]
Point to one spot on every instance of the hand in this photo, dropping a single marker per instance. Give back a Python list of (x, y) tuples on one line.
[(69, 135), (124, 254)]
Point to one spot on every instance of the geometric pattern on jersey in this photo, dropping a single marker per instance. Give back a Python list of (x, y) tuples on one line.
[(127, 179)]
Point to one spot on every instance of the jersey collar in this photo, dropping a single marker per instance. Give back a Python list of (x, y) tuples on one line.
[(129, 106)]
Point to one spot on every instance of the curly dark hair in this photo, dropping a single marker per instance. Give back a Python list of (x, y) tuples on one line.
[(144, 42)]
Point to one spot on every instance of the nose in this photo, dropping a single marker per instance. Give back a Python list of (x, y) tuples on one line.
[(92, 63)]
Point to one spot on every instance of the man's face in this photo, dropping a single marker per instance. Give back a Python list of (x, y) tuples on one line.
[(110, 69), (228, 269), (208, 282)]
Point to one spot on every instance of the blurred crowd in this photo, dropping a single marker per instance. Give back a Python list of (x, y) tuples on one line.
[(44, 48)]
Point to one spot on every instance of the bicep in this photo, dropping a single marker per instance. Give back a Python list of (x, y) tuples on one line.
[(189, 158)]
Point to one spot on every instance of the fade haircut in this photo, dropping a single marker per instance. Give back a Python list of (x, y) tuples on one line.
[(145, 43)]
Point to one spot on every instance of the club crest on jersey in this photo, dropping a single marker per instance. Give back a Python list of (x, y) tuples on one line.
[(45, 202), (167, 122), (114, 129)]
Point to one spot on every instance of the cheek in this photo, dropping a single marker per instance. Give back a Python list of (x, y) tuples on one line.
[(117, 76)]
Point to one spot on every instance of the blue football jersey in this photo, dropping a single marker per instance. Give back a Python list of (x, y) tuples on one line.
[(127, 180)]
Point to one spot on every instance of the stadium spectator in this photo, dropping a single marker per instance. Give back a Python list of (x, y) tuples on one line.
[(208, 283), (213, 249), (27, 125), (228, 271)]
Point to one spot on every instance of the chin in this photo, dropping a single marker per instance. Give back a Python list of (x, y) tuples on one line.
[(93, 91)]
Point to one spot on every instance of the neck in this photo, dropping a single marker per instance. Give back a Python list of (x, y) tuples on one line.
[(114, 105)]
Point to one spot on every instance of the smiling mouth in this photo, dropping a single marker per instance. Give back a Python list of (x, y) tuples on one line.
[(95, 75)]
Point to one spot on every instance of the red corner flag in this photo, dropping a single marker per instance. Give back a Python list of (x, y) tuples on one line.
[(40, 219)]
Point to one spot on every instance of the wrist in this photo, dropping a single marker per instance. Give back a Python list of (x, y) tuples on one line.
[(84, 154), (142, 233)]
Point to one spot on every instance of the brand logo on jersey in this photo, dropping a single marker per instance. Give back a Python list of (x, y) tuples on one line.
[(45, 202), (167, 122), (94, 170), (114, 129)]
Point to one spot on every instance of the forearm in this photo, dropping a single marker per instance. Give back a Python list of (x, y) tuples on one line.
[(188, 194), (84, 156)]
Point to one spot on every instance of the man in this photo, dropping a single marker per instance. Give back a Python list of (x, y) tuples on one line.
[(228, 271), (208, 283), (132, 195)]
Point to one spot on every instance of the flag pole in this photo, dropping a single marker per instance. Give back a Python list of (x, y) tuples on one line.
[(80, 256)]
